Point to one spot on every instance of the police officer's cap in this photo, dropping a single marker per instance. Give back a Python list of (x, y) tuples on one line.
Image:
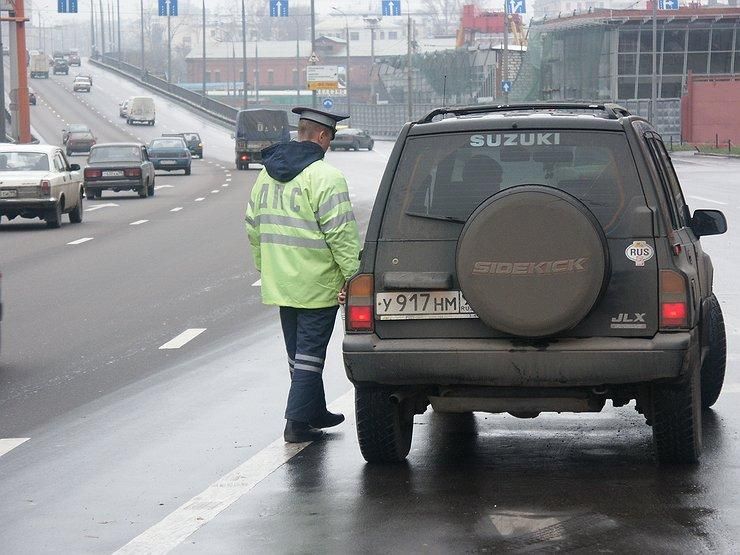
[(318, 116)]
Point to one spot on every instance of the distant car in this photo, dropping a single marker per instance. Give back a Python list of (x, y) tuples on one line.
[(72, 128), (80, 141), (140, 109), (81, 84), (31, 96), (119, 167), (85, 76), (123, 108), (37, 181), (354, 139), (195, 145), (73, 58), (170, 154), (61, 66)]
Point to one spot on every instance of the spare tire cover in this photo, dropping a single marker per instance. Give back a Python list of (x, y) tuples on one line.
[(532, 261)]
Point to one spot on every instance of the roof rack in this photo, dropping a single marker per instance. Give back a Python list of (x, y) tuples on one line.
[(612, 111)]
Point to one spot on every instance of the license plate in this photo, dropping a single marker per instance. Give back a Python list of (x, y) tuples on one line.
[(113, 173), (422, 305), (9, 193), (167, 162)]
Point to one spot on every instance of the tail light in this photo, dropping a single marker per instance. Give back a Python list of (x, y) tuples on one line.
[(91, 173), (244, 157), (183, 155), (45, 187), (132, 172), (360, 303), (674, 308)]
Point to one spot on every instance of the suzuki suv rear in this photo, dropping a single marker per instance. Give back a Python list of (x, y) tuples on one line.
[(528, 259)]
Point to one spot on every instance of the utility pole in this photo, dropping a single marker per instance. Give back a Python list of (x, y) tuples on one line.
[(19, 108), (3, 132), (244, 56), (256, 71), (169, 43), (118, 22), (102, 29), (92, 27), (141, 33), (346, 35), (505, 59), (409, 105), (297, 63), (205, 92), (313, 46)]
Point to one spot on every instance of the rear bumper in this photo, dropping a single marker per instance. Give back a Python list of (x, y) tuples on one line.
[(119, 184), (178, 165), (502, 362), (25, 206)]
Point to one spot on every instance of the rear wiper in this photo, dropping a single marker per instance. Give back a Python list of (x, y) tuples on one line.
[(433, 217)]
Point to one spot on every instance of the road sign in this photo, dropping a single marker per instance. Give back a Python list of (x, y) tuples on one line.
[(668, 4), (67, 6), (322, 77), (313, 58), (278, 8), (391, 7), (506, 86), (517, 6), (328, 103), (164, 4)]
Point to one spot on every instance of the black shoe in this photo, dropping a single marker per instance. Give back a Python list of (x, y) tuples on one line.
[(300, 432), (328, 420)]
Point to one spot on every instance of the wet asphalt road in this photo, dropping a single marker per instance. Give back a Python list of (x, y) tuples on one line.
[(123, 434)]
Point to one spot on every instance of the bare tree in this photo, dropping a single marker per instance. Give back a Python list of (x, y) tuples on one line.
[(445, 14)]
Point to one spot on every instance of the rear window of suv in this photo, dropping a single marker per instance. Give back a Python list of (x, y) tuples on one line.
[(441, 179)]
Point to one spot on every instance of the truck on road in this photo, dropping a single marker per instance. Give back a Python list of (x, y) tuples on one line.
[(39, 66)]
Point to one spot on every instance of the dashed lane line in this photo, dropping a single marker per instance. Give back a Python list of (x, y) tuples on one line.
[(184, 338), (257, 283), (176, 209), (157, 187), (702, 199), (215, 191), (138, 222), (170, 532), (200, 199), (10, 443), (80, 241), (99, 206)]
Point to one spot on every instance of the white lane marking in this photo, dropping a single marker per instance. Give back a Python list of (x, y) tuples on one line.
[(225, 185), (163, 187), (138, 222), (171, 531), (199, 199), (257, 283), (176, 209), (183, 338), (10, 443), (708, 200), (80, 241), (228, 179), (216, 191), (99, 206)]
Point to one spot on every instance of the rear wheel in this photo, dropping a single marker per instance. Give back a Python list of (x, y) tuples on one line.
[(355, 146), (150, 188), (144, 192), (384, 425), (713, 369), (187, 171), (676, 419), (75, 216), (54, 216), (370, 145)]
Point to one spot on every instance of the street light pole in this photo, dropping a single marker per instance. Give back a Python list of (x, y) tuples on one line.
[(346, 76), (409, 105), (505, 59), (313, 46), (141, 46), (244, 57), (654, 80), (205, 92), (102, 29), (92, 26), (169, 43), (118, 22)]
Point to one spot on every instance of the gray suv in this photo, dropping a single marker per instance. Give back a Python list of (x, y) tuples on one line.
[(533, 258)]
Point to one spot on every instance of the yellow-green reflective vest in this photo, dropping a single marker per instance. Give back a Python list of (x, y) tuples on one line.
[(304, 236)]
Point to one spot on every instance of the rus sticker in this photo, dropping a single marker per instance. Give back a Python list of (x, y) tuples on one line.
[(639, 252)]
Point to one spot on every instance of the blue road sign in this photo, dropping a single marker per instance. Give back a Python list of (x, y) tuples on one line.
[(62, 6), (518, 6), (506, 86), (163, 4), (278, 8), (668, 4), (391, 7), (67, 6), (328, 103), (72, 6)]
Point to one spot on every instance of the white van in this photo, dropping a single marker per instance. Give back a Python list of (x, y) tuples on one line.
[(140, 109), (39, 65)]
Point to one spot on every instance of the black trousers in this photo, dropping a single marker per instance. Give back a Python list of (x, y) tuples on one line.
[(306, 332)]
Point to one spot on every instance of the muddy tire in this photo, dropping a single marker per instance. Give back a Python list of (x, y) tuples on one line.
[(676, 420), (75, 216), (54, 216), (384, 427), (713, 369)]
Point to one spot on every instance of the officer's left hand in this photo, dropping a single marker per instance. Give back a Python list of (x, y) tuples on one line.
[(342, 296)]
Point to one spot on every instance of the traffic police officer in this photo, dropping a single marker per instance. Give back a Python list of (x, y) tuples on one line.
[(305, 243)]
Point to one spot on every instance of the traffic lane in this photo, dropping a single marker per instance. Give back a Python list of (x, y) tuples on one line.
[(86, 318), (493, 483), (113, 210)]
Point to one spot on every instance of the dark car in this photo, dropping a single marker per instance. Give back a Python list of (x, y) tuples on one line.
[(31, 97), (79, 141), (61, 66), (72, 128), (73, 58), (170, 154), (533, 258), (119, 167), (195, 145), (354, 139)]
